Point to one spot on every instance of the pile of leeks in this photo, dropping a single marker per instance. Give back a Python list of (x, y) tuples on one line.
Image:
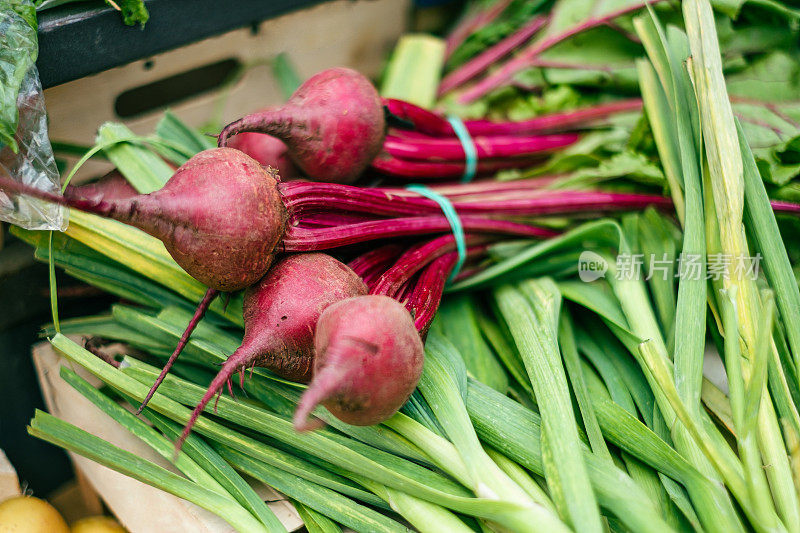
[(547, 403)]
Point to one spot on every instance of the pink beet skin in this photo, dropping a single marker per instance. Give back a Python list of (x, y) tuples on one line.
[(280, 314), (268, 151), (369, 358), (219, 216), (333, 125), (223, 217)]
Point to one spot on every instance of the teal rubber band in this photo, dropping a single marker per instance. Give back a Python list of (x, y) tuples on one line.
[(470, 152), (455, 224)]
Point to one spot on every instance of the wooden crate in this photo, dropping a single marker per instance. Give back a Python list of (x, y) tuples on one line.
[(9, 484), (139, 507), (357, 34)]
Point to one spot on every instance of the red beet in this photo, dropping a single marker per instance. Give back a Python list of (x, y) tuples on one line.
[(220, 216), (268, 151), (280, 314), (368, 361), (333, 125)]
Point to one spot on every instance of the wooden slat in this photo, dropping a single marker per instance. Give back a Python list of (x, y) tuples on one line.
[(9, 483), (139, 507), (357, 34)]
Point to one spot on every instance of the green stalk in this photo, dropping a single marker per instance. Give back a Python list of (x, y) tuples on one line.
[(424, 516), (143, 169), (414, 70), (763, 228), (501, 343), (621, 427), (522, 478), (314, 521), (173, 130), (515, 431), (69, 437), (531, 312), (724, 155), (322, 499), (642, 474), (443, 384), (257, 419), (283, 399), (406, 479), (175, 411), (458, 321), (143, 432), (761, 519), (632, 298), (211, 462), (572, 364), (745, 437), (439, 449)]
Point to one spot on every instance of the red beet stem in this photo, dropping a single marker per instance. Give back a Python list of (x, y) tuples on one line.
[(427, 292), (92, 346), (202, 307), (780, 206), (429, 123), (564, 121), (371, 265), (415, 259), (331, 219), (491, 55), (299, 239), (402, 168), (424, 121), (275, 122), (523, 59), (112, 208), (480, 188), (521, 198), (434, 261), (472, 22), (486, 147)]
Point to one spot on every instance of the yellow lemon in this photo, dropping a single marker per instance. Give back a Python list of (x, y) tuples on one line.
[(97, 524), (25, 514)]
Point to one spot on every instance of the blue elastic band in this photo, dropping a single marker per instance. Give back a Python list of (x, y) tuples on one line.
[(455, 224), (470, 152)]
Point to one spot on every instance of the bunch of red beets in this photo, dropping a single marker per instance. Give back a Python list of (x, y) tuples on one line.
[(256, 213)]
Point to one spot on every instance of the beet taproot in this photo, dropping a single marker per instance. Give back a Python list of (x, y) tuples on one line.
[(333, 125), (368, 361), (219, 216), (280, 316)]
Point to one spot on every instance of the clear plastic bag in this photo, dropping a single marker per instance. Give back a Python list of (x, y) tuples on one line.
[(33, 165)]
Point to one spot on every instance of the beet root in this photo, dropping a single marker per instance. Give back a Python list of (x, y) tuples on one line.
[(280, 314), (268, 151), (333, 125), (219, 216), (368, 361), (202, 307)]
